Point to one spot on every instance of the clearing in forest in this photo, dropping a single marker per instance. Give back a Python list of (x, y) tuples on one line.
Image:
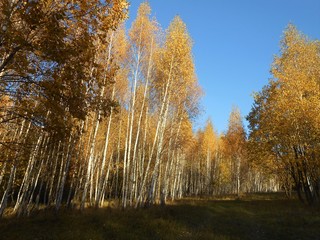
[(258, 216)]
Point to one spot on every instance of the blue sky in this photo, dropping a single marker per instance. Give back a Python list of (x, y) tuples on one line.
[(234, 45)]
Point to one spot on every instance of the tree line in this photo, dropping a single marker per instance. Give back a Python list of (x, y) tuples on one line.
[(92, 112)]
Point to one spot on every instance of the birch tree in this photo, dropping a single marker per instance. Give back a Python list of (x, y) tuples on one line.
[(235, 140), (285, 118)]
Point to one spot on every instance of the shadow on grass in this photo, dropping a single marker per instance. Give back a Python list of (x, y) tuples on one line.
[(249, 218)]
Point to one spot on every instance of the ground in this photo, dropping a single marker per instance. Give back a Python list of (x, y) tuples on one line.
[(258, 216)]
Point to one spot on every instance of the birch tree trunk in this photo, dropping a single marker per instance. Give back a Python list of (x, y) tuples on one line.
[(164, 101), (104, 156)]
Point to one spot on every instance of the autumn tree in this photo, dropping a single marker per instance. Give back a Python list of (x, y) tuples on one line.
[(142, 47), (176, 91), (235, 140), (47, 48), (284, 120), (47, 53), (206, 147)]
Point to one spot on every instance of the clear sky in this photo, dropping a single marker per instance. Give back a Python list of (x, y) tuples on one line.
[(234, 45)]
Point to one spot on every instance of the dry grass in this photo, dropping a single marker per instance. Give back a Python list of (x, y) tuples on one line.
[(258, 216)]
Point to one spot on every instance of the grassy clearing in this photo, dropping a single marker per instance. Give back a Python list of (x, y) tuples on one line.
[(259, 216)]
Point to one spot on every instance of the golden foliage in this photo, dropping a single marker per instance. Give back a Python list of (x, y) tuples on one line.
[(285, 120)]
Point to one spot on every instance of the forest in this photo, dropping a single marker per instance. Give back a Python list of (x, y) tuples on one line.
[(93, 112)]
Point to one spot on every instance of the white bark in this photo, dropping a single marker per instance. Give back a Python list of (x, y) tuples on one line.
[(104, 156), (160, 123)]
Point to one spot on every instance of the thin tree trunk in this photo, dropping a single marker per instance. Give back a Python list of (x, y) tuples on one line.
[(104, 156), (155, 137), (26, 180), (71, 145)]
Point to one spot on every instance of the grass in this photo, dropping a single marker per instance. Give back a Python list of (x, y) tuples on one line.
[(258, 216)]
